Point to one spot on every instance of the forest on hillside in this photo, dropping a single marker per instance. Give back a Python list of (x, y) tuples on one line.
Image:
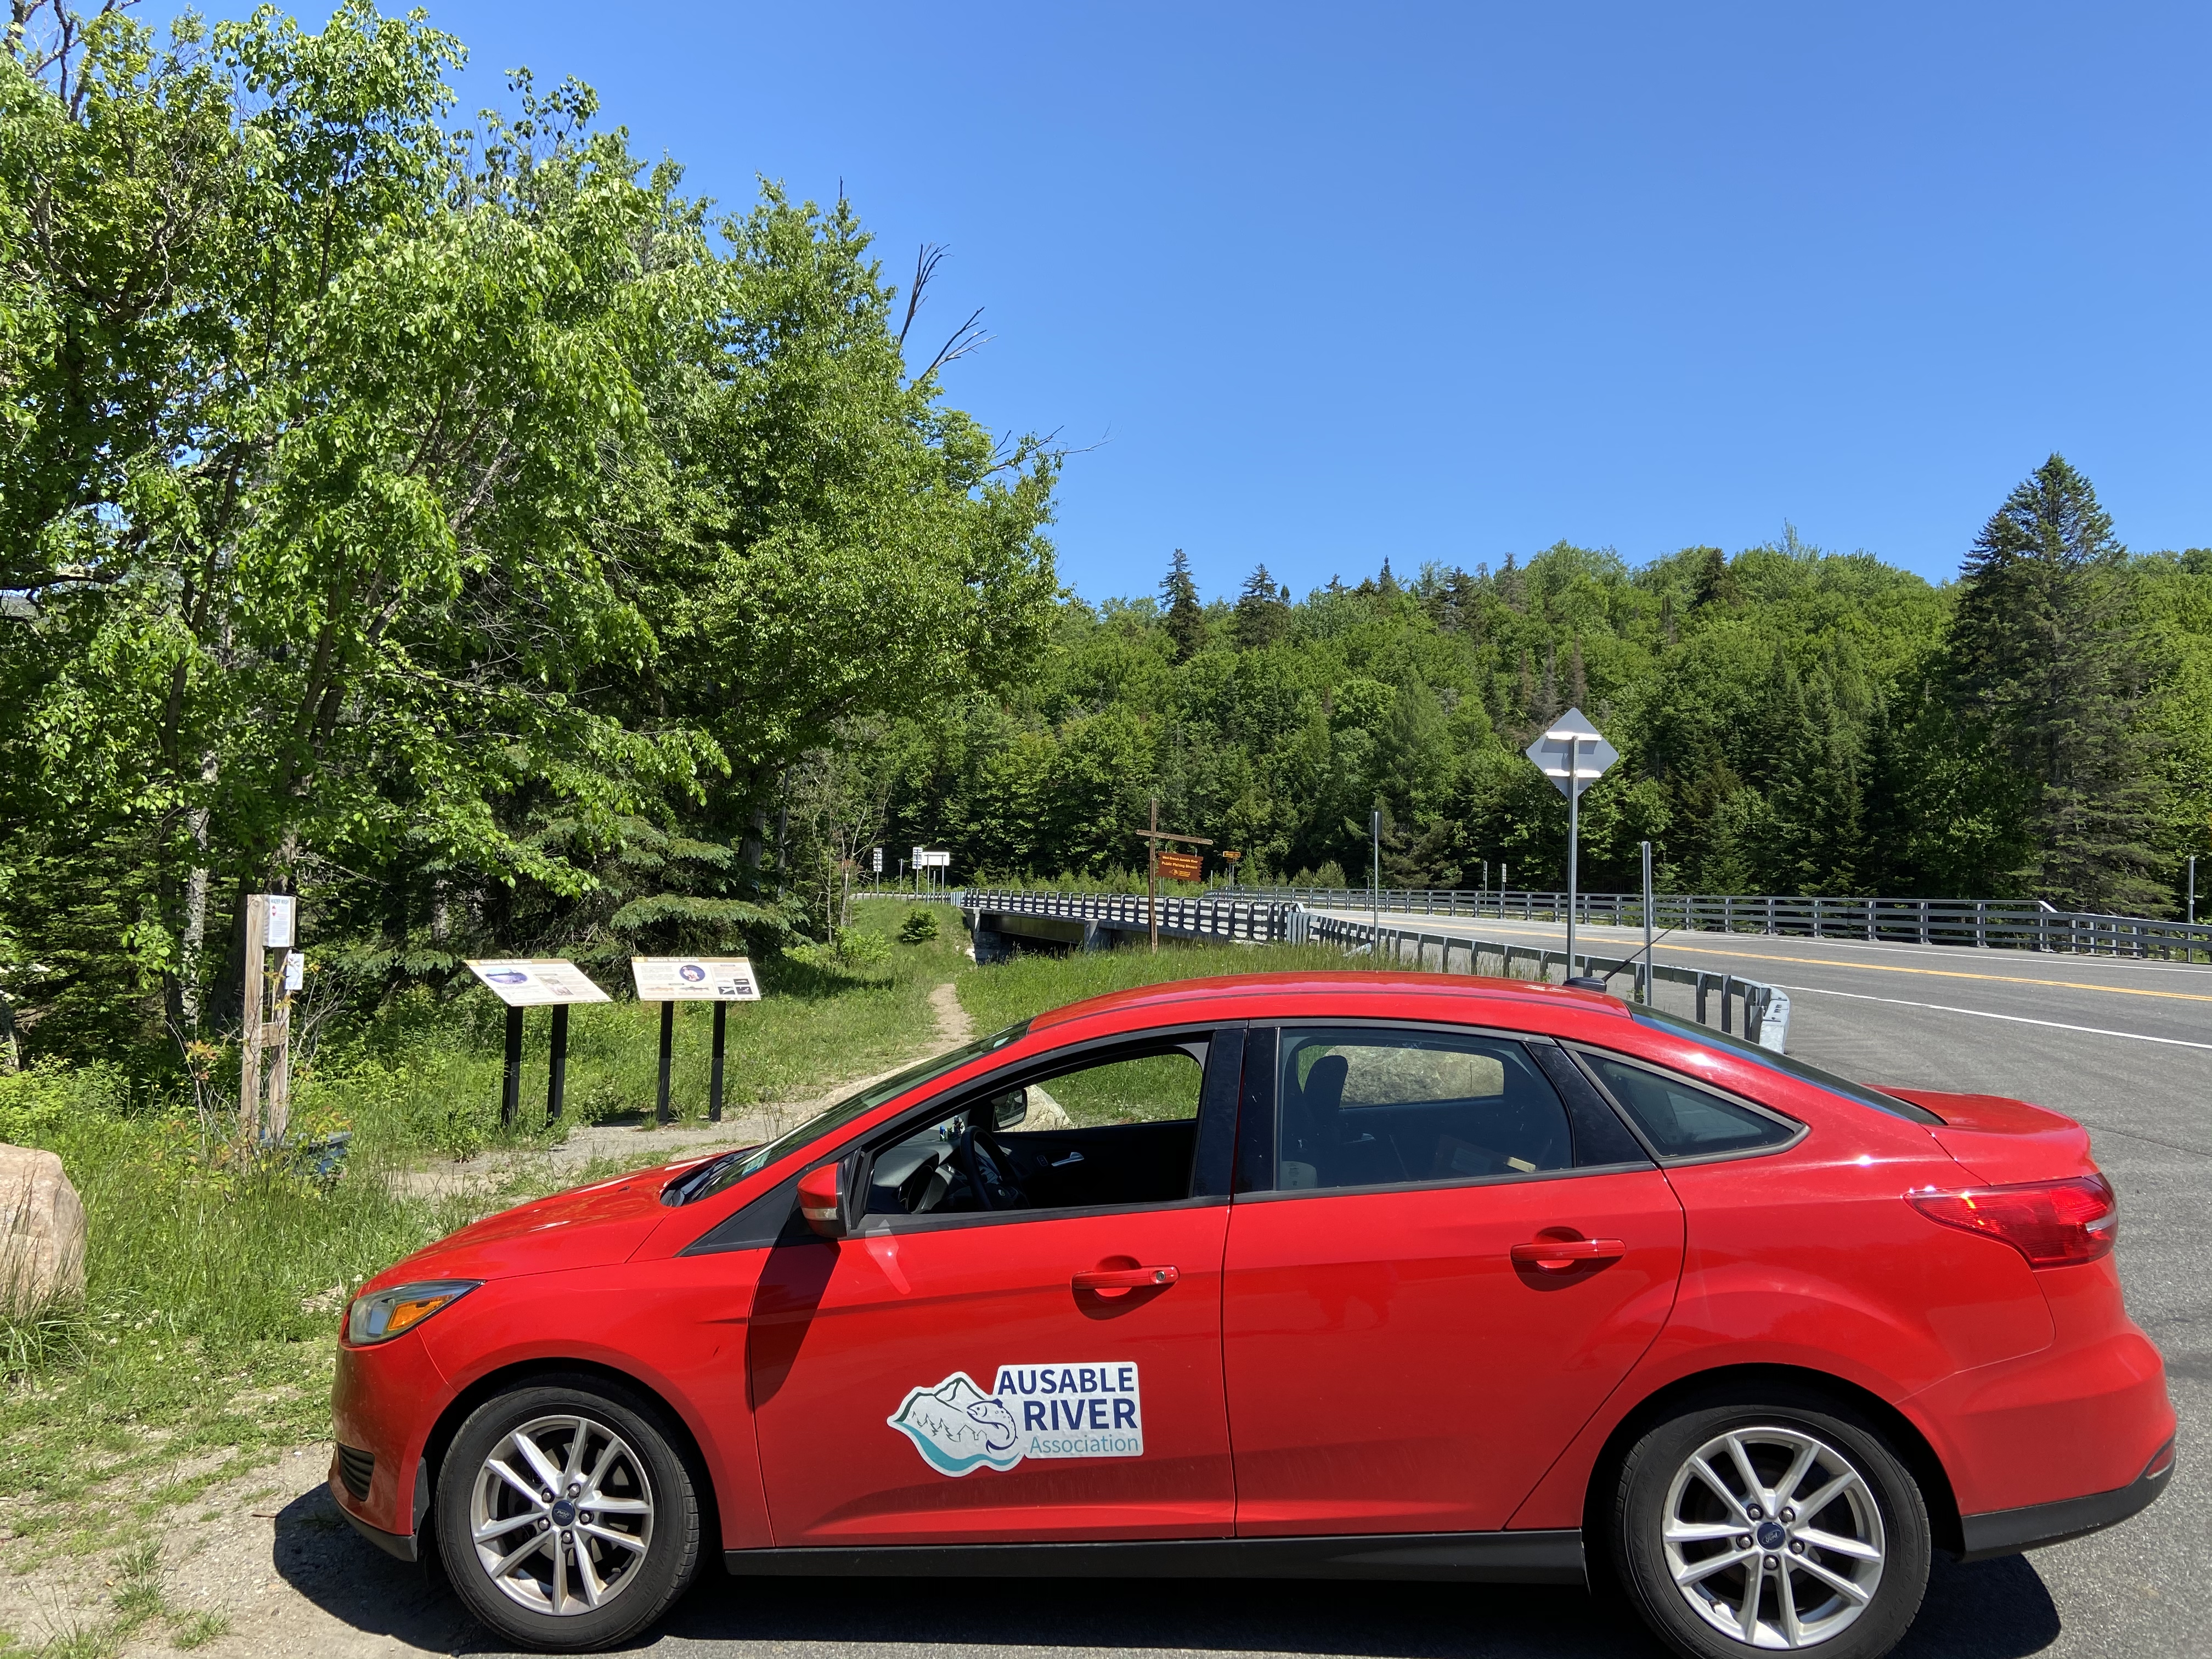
[(454, 523), (1790, 722)]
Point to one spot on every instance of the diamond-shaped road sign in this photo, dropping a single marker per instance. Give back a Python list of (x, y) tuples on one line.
[(1573, 754)]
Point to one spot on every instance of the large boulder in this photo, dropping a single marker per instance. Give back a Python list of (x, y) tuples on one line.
[(41, 1232)]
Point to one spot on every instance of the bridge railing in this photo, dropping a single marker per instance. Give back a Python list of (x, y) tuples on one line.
[(2010, 924), (1759, 1010)]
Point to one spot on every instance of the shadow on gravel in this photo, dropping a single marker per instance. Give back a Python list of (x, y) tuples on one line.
[(319, 1555), (1992, 1610)]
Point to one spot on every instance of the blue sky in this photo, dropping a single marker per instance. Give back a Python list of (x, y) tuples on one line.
[(1316, 286)]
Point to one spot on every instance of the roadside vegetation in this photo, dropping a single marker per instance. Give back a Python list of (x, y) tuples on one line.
[(215, 1285)]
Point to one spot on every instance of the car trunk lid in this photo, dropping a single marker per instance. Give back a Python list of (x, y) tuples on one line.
[(1998, 1140)]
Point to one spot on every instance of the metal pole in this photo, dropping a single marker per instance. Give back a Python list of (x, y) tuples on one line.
[(714, 1076), (2192, 889), (667, 1056), (556, 1075), (1152, 879), (1647, 923), (1574, 837), (510, 1093), (1375, 880)]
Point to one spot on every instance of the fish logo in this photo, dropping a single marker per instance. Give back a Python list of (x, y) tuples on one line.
[(956, 1426)]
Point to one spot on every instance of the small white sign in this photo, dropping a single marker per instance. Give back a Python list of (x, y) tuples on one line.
[(295, 970), (527, 984), (282, 908), (877, 861), (926, 860), (694, 979)]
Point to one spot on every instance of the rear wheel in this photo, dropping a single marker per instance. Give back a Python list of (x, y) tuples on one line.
[(1784, 1522), (566, 1520)]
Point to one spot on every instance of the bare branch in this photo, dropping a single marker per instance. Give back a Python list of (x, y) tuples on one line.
[(965, 339), (925, 267)]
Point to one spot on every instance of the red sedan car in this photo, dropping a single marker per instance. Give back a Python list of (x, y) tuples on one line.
[(1341, 1275)]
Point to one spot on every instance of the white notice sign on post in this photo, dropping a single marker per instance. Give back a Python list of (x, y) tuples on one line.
[(694, 979), (527, 984), (277, 936), (295, 970)]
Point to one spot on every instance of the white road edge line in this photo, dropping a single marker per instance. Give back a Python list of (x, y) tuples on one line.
[(1983, 1013)]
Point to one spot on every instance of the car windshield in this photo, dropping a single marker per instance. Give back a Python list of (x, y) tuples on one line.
[(1676, 1026), (732, 1167)]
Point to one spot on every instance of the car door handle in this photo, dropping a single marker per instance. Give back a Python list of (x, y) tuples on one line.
[(1126, 1278), (1555, 1255)]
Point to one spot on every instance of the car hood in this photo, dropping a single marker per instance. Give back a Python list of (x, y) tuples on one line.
[(1997, 1139), (592, 1226)]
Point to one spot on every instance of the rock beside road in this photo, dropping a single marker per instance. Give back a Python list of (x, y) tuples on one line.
[(42, 1246)]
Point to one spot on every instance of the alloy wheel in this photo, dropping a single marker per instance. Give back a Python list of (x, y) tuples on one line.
[(1773, 1537), (561, 1514)]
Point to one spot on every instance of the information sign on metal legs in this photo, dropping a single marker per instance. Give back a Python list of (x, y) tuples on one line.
[(670, 980), (522, 983)]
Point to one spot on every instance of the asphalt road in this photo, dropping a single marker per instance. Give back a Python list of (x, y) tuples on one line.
[(2124, 1047)]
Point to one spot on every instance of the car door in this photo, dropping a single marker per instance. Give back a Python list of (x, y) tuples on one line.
[(953, 1372), (1445, 1248)]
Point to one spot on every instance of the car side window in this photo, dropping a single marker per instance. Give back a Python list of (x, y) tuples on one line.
[(1368, 1106), (1681, 1120), (1121, 1130)]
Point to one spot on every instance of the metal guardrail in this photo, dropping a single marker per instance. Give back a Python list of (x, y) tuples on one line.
[(2007, 924), (1760, 1010)]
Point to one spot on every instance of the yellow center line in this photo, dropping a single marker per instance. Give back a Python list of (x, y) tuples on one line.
[(1895, 967)]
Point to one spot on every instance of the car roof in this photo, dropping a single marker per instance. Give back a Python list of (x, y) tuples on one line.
[(1339, 984)]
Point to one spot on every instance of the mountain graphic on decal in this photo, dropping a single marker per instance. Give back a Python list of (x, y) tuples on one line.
[(956, 1426)]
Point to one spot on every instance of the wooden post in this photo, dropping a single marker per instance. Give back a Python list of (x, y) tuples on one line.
[(668, 1059), (277, 1037), (715, 1075), (249, 1035), (556, 1072), (1152, 879)]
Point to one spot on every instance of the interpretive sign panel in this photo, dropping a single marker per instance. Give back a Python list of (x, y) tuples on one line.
[(522, 984), (694, 979), (284, 909)]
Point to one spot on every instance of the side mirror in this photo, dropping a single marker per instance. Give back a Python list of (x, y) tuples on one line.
[(1009, 1109), (821, 1200)]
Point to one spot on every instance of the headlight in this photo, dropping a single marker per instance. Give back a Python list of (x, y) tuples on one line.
[(387, 1313)]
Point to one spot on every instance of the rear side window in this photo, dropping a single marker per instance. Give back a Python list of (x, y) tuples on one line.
[(1680, 1119), (1364, 1107)]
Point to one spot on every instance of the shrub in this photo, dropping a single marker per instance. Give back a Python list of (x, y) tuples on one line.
[(919, 927)]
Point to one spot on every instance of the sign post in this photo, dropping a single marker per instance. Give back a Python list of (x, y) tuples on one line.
[(1153, 838), (270, 924), (1574, 754), (670, 980), (523, 983)]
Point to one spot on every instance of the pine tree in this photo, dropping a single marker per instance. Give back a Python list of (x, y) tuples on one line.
[(1262, 616), (1578, 681), (2046, 664), (1715, 582), (1186, 618)]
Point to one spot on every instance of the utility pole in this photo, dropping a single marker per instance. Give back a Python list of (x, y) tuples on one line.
[(1375, 879), (1647, 923)]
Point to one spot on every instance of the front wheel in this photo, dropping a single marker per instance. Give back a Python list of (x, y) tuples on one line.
[(566, 1520), (1780, 1523)]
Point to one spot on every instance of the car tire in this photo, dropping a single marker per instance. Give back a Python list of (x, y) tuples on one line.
[(617, 1542), (1843, 1578)]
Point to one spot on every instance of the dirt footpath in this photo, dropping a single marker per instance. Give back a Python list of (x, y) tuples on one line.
[(266, 1567)]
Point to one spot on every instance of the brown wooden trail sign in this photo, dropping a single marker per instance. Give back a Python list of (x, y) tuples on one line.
[(1157, 862)]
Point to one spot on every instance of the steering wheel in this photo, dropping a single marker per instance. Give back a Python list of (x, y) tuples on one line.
[(990, 1169)]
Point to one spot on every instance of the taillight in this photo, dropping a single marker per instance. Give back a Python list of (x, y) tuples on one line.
[(2054, 1224)]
